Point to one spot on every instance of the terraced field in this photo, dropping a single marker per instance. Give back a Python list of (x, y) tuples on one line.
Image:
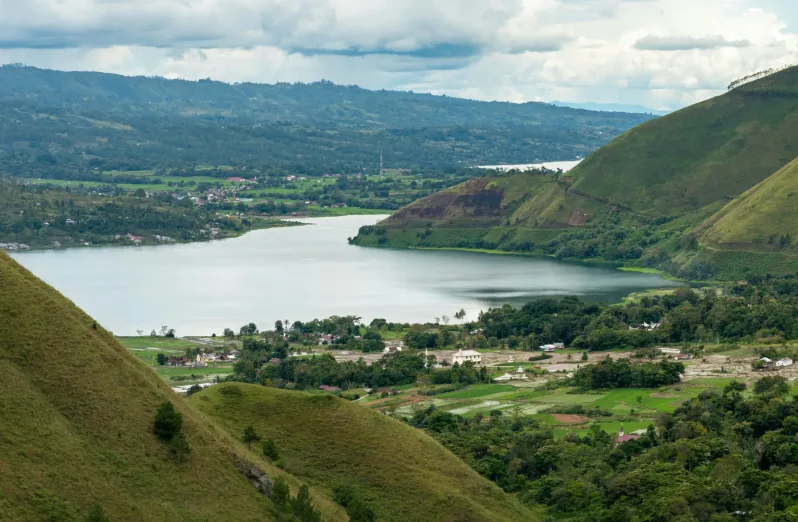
[(635, 408)]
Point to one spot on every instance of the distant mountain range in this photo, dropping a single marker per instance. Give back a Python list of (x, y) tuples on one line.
[(53, 123), (611, 107), (703, 193)]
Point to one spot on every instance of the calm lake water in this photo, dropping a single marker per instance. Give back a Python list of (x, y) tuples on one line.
[(564, 166), (301, 273)]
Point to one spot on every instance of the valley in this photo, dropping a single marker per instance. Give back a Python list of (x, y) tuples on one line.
[(308, 323)]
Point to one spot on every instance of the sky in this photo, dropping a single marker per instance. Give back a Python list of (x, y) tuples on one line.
[(662, 54)]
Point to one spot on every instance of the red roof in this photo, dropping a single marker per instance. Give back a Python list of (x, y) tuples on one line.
[(236, 179), (625, 438)]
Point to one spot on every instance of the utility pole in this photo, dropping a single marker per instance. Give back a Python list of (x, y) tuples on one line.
[(381, 170)]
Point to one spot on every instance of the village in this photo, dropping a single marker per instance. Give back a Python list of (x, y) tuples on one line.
[(518, 380)]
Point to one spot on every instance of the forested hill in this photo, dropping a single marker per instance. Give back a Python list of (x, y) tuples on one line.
[(52, 120)]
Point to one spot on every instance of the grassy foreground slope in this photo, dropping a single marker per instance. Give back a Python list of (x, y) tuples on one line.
[(402, 472), (76, 414)]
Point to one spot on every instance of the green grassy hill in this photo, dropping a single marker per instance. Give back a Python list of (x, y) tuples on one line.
[(638, 200), (402, 472), (76, 415), (708, 152), (755, 233), (763, 218)]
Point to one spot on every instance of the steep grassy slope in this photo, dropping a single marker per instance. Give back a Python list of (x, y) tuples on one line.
[(404, 474), (763, 218), (76, 413), (704, 153)]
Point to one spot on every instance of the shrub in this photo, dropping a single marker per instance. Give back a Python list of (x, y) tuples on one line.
[(168, 422), (270, 450)]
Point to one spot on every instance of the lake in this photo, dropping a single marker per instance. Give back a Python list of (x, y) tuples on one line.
[(564, 166), (302, 273)]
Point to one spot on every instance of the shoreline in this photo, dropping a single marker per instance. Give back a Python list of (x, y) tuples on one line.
[(600, 263), (277, 224)]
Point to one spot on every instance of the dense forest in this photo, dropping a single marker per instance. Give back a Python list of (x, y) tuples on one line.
[(720, 457), (58, 123)]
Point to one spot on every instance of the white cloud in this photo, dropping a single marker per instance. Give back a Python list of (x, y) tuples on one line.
[(660, 53)]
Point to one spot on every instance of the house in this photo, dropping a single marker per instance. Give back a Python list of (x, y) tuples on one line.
[(783, 363), (331, 389), (768, 362), (327, 338), (463, 356), (548, 348), (682, 357), (393, 346), (178, 361), (388, 391), (646, 326), (275, 361), (504, 378), (235, 179), (622, 437)]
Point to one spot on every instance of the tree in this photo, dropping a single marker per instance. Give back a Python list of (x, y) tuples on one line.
[(303, 507), (460, 315), (164, 330), (228, 333), (168, 422), (280, 493), (278, 327), (140, 332), (270, 450), (161, 358), (250, 435), (584, 356), (359, 511), (179, 448), (195, 388), (248, 330), (775, 385), (153, 333)]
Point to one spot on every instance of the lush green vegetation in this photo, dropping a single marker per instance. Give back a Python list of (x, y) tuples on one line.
[(39, 217), (57, 124), (78, 419), (623, 373), (762, 311), (720, 456), (656, 197), (333, 444)]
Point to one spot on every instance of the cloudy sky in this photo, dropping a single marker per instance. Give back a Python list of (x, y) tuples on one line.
[(657, 53)]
